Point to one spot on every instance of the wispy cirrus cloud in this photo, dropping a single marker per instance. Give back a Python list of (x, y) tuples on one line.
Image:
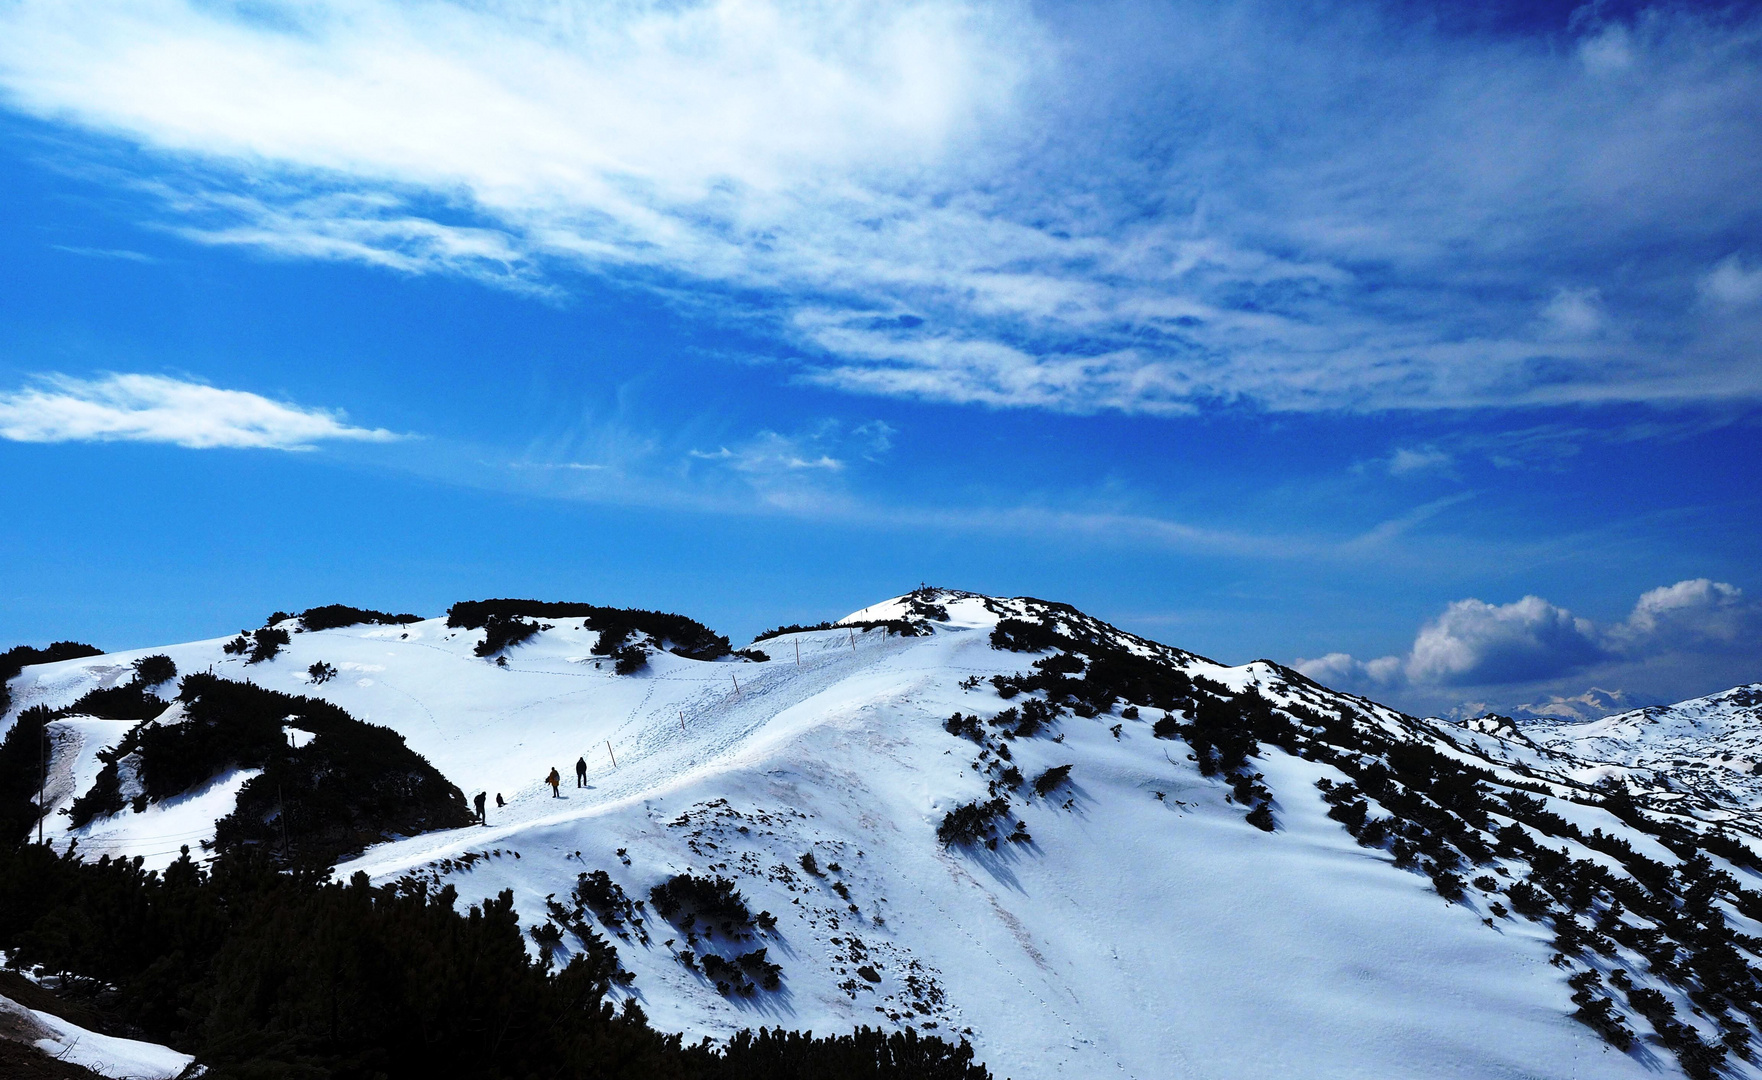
[(122, 254), (161, 409), (1152, 208)]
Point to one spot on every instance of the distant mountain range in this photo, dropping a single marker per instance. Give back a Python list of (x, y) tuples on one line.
[(993, 818), (1711, 745), (1593, 704)]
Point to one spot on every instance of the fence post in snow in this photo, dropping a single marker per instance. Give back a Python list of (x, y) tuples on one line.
[(853, 640), (42, 777), (611, 755), (736, 686), (798, 654), (681, 720)]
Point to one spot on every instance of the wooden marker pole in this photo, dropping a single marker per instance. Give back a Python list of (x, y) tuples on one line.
[(736, 686), (798, 654), (609, 753), (682, 720), (42, 777), (853, 641)]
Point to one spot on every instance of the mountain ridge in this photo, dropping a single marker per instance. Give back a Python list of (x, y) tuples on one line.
[(1143, 910)]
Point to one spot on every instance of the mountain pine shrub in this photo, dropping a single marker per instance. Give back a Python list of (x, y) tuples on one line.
[(970, 822), (1049, 780), (265, 643), (265, 973), (155, 669), (504, 632), (680, 635), (336, 616), (685, 898)]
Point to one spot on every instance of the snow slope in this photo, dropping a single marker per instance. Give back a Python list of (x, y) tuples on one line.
[(106, 1055), (1146, 929), (1711, 745)]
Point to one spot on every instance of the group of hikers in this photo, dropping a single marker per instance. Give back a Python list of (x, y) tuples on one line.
[(555, 779)]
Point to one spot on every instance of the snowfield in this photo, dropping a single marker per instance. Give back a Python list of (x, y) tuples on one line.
[(1711, 745), (106, 1055), (1145, 930)]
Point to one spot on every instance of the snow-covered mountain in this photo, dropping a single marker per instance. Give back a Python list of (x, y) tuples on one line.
[(1711, 745), (1592, 704), (1091, 854)]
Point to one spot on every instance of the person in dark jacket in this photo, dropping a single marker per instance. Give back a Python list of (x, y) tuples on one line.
[(499, 802), (481, 796), (556, 782), (581, 772)]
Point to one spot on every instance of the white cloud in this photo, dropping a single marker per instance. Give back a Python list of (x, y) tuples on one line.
[(1527, 647), (956, 200), (1608, 51), (1343, 669), (1574, 313), (874, 438), (1732, 284), (1684, 614), (106, 253), (156, 408), (1475, 643), (771, 454), (1406, 461)]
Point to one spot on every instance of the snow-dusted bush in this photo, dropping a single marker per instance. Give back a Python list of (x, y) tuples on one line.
[(685, 637), (631, 659), (265, 643), (901, 627), (970, 822), (685, 898), (335, 616), (155, 669), (964, 726), (504, 633), (1050, 779), (596, 891), (732, 976)]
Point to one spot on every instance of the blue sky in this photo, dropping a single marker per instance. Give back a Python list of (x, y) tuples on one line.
[(1415, 344)]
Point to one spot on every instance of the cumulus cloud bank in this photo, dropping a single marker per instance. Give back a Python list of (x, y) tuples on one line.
[(160, 409), (1148, 208), (1474, 644)]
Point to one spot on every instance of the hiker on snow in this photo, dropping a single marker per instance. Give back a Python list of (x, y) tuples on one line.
[(581, 772), (556, 782), (479, 801), (499, 802)]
